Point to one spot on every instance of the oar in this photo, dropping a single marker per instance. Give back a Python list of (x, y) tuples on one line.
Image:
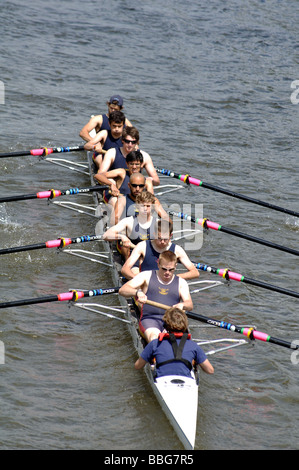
[(250, 333), (206, 223), (227, 274), (52, 193), (72, 295), (58, 243), (194, 181), (41, 152)]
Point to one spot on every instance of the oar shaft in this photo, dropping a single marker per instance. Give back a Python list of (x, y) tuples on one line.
[(250, 333), (53, 193), (260, 241), (230, 275), (220, 228), (197, 182), (18, 249), (57, 243), (41, 152), (65, 296), (265, 285)]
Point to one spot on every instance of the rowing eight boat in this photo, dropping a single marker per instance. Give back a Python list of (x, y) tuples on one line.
[(177, 395)]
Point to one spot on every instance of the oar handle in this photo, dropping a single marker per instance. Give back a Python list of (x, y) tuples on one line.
[(158, 305)]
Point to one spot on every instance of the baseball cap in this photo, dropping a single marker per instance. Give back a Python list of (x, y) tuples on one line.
[(116, 98)]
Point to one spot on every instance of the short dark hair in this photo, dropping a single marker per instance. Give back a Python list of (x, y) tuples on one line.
[(134, 156), (118, 117)]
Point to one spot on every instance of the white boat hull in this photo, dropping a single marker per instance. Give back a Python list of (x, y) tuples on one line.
[(178, 397)]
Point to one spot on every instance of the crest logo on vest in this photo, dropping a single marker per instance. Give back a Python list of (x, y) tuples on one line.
[(163, 291)]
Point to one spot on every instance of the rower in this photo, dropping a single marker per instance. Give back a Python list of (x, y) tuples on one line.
[(106, 139), (146, 253), (162, 286), (174, 352), (125, 205), (139, 227), (100, 122), (115, 158)]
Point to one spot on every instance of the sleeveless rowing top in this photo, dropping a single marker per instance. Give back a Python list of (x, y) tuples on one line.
[(152, 256), (167, 294), (130, 209), (111, 142), (140, 233), (121, 162), (105, 123)]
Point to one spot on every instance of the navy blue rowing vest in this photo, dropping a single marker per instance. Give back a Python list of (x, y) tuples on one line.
[(105, 123), (130, 207), (167, 294), (111, 142), (152, 256), (139, 233), (121, 162)]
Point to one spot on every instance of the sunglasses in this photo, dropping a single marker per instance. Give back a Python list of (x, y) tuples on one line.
[(134, 185), (133, 142)]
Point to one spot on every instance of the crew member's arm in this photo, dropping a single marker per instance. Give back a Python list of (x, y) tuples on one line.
[(118, 210), (101, 177), (150, 169), (140, 363), (183, 258), (186, 300), (136, 254), (119, 231), (97, 142), (207, 367), (136, 286), (95, 121)]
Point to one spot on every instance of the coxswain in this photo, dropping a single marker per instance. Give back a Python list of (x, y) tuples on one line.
[(174, 352)]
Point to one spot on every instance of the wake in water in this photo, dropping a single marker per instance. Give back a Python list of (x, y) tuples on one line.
[(7, 224)]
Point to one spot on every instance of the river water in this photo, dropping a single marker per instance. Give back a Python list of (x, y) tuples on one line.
[(209, 86)]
